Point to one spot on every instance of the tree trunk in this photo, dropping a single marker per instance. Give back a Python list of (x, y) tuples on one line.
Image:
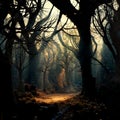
[(44, 89), (115, 37), (85, 53), (6, 93), (33, 63), (20, 82), (33, 69), (67, 77), (44, 79)]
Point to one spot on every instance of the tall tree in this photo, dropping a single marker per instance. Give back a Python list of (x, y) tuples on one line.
[(108, 28), (82, 19), (17, 23), (114, 32), (6, 96)]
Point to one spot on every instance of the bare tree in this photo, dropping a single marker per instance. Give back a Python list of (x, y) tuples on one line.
[(107, 25), (19, 66), (81, 18), (19, 24)]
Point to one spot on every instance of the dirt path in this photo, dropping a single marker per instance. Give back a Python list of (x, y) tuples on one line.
[(54, 98)]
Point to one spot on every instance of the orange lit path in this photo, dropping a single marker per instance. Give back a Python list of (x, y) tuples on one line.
[(55, 98)]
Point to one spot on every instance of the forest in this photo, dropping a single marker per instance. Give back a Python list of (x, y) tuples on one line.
[(59, 59)]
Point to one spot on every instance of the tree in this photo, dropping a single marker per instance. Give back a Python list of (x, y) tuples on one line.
[(104, 52), (82, 18), (107, 25), (114, 30), (6, 94), (109, 28), (46, 61), (19, 65), (68, 64), (17, 25)]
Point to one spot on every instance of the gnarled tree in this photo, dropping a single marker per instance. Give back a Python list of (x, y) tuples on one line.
[(82, 18)]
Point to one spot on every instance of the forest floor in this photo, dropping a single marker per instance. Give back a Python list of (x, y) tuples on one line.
[(64, 106), (74, 106)]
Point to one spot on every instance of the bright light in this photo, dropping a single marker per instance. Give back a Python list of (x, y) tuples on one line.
[(75, 4)]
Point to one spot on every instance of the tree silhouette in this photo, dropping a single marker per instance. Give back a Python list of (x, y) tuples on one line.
[(81, 18)]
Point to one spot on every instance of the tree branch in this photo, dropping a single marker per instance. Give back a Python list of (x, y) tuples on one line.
[(65, 7), (106, 69)]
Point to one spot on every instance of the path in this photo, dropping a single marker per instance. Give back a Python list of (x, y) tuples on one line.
[(54, 98)]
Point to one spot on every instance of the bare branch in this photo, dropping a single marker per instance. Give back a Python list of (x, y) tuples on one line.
[(67, 46), (106, 69)]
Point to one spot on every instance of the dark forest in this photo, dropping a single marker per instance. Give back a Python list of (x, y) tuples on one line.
[(59, 59)]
